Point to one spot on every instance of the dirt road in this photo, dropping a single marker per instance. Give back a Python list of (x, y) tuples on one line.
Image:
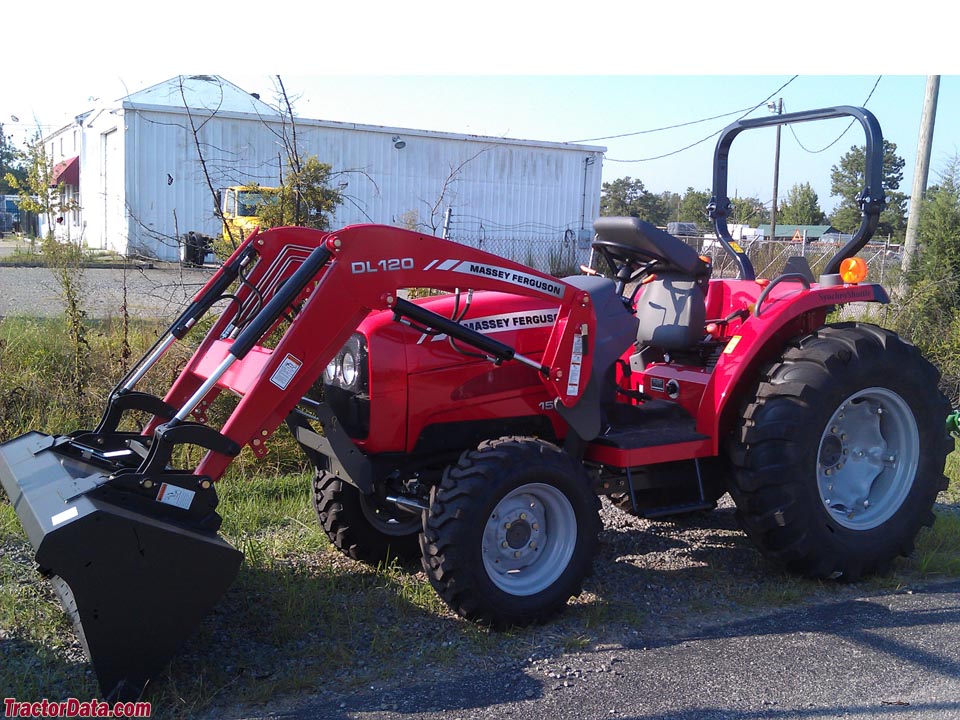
[(150, 293)]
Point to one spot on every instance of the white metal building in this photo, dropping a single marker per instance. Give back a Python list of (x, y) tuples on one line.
[(142, 187)]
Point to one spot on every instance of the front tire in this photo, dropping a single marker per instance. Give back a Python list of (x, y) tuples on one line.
[(363, 527), (511, 532), (840, 454)]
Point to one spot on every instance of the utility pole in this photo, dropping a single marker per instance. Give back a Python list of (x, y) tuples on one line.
[(921, 170), (777, 108)]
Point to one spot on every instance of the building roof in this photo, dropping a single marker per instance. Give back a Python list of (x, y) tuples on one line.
[(207, 92), (66, 172), (217, 95), (811, 232)]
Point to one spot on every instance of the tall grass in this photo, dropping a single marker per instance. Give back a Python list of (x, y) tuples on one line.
[(39, 390)]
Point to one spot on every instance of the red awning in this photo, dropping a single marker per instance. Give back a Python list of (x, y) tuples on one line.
[(66, 172)]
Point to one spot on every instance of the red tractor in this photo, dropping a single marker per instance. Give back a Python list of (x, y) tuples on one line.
[(478, 428)]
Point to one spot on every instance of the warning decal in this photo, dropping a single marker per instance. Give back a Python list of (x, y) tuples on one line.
[(576, 362), (732, 345), (284, 373), (176, 496)]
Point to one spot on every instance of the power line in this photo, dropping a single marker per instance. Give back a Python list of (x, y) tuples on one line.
[(668, 127), (708, 137), (814, 152)]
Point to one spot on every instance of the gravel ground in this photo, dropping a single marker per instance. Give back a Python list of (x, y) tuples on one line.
[(666, 588), (159, 292)]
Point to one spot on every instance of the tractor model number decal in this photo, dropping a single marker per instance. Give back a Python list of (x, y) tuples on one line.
[(176, 496), (514, 277), (284, 373), (386, 265), (524, 320)]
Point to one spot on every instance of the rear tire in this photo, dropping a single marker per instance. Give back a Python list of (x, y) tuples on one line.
[(362, 527), (840, 454), (511, 532)]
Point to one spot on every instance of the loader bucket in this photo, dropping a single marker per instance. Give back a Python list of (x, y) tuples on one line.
[(135, 580)]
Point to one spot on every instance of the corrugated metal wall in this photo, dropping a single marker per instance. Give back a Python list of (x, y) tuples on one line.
[(521, 199)]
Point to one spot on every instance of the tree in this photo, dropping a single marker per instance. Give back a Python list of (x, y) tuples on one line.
[(747, 211), (693, 207), (34, 186), (939, 229), (847, 180), (626, 197), (305, 198), (671, 203), (802, 207), (928, 311), (11, 163)]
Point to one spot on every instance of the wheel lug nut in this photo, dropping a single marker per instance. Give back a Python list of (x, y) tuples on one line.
[(505, 544), (516, 554), (523, 516), (536, 526), (533, 545)]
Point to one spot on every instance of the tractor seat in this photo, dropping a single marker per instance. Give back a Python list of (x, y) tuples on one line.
[(672, 312), (649, 243)]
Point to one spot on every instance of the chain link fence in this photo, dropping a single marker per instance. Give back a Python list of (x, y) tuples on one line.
[(563, 254), (558, 255), (769, 257)]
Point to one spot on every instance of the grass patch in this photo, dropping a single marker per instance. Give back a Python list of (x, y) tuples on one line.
[(938, 548)]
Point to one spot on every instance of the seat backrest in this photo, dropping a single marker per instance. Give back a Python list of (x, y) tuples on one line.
[(672, 312)]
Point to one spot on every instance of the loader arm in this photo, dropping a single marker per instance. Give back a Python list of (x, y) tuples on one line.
[(324, 285)]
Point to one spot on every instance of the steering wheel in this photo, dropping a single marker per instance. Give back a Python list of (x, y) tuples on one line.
[(629, 263)]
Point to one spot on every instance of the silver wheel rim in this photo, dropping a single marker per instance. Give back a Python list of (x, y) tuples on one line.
[(529, 538), (386, 522), (867, 458)]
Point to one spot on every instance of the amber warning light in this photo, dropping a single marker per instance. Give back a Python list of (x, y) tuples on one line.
[(853, 270)]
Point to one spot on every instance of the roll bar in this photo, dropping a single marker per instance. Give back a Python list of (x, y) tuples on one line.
[(871, 199)]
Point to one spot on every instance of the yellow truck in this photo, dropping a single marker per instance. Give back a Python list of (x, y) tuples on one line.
[(240, 206)]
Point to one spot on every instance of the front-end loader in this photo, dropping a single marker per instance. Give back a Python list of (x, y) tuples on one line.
[(477, 429)]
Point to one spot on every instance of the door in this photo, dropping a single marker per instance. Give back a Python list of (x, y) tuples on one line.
[(113, 236)]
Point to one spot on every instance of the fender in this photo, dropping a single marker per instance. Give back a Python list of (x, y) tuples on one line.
[(761, 339)]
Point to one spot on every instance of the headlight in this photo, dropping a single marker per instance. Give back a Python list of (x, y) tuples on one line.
[(349, 369), (346, 386), (330, 374)]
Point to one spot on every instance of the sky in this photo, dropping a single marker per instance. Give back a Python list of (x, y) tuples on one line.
[(531, 71)]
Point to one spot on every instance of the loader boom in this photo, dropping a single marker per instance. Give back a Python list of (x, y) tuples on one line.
[(325, 285)]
